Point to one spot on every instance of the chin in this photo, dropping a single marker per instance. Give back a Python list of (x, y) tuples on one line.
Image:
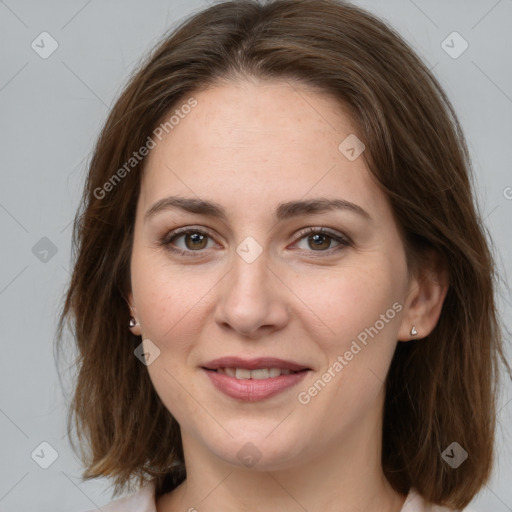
[(258, 452)]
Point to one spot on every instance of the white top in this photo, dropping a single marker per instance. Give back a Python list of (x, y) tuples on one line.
[(144, 501)]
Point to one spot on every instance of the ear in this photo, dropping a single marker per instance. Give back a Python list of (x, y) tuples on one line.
[(425, 298), (133, 313)]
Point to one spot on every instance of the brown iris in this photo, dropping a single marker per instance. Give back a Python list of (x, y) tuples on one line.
[(320, 241), (198, 240)]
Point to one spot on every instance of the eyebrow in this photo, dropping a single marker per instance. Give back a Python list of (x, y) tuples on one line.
[(283, 211)]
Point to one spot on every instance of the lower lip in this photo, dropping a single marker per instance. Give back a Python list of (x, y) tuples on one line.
[(253, 390)]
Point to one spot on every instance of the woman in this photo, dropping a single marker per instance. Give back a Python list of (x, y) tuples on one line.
[(283, 296)]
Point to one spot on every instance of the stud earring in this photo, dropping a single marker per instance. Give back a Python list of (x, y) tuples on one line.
[(133, 322), (414, 331)]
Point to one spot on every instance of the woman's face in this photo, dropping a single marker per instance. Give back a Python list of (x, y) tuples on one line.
[(317, 315)]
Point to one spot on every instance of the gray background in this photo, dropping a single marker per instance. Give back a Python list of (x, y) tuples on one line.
[(51, 112)]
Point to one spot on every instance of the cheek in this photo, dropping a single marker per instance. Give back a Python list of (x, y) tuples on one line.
[(169, 297), (361, 307), (171, 312), (173, 305), (348, 300)]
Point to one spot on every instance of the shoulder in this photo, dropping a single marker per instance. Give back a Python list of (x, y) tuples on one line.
[(141, 501), (416, 503)]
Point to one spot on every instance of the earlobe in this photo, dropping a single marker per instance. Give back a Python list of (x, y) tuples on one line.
[(134, 326), (133, 322), (425, 302)]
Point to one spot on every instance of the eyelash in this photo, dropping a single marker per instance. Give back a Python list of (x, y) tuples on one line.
[(177, 233)]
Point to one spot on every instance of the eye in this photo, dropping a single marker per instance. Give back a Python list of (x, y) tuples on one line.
[(190, 241), (185, 241), (321, 239)]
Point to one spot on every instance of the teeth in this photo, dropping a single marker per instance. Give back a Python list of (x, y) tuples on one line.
[(274, 372), (230, 372), (258, 374), (242, 373)]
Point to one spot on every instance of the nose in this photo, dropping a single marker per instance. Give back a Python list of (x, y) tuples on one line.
[(252, 300)]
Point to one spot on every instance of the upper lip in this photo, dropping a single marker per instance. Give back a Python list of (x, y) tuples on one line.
[(253, 364)]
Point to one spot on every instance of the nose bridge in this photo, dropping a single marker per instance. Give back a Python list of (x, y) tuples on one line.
[(250, 274), (250, 271), (249, 298)]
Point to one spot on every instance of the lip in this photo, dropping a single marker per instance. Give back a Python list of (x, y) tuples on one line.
[(253, 364), (253, 390)]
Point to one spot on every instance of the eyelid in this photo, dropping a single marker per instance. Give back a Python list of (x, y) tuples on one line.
[(340, 237)]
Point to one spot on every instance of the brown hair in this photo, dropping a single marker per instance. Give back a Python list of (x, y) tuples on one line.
[(440, 389)]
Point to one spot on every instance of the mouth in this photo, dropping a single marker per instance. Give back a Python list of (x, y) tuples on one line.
[(257, 374), (254, 379), (259, 363)]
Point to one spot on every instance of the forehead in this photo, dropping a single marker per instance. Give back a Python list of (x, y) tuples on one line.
[(257, 139)]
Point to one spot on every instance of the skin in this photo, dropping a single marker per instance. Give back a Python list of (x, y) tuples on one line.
[(249, 146)]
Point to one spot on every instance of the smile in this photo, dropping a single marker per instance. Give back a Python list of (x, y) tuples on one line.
[(258, 374), (253, 380)]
